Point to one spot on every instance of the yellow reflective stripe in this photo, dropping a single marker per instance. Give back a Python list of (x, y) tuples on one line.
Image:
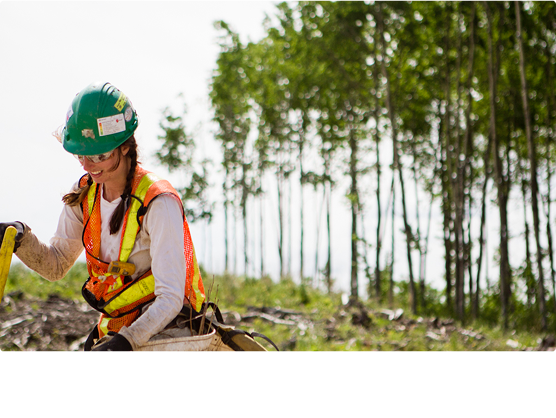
[(117, 284), (104, 325), (199, 297), (91, 197), (130, 233), (136, 291)]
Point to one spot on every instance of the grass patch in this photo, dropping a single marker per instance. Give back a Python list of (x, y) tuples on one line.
[(22, 279), (321, 322)]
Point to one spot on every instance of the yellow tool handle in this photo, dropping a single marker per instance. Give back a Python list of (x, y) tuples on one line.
[(6, 251)]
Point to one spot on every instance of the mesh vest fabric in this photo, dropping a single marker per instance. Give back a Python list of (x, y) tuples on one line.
[(119, 298)]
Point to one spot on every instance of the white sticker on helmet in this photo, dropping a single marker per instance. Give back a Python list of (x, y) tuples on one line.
[(111, 125), (69, 113), (128, 114)]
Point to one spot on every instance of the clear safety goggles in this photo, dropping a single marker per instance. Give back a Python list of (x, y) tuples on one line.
[(98, 158)]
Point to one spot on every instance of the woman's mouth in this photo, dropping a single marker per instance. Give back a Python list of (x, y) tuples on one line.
[(95, 173)]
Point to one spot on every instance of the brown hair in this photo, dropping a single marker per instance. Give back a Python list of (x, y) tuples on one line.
[(76, 197)]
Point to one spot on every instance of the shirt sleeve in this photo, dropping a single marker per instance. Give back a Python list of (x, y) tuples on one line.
[(53, 261), (163, 222)]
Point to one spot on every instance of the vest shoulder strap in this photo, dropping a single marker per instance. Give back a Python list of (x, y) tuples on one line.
[(147, 186)]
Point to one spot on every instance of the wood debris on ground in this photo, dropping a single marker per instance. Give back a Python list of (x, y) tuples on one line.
[(57, 324)]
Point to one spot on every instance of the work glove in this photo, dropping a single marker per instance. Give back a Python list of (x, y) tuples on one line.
[(19, 236), (116, 343)]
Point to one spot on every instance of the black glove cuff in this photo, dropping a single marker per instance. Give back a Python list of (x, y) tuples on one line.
[(117, 343)]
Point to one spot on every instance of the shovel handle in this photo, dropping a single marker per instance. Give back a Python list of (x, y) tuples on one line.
[(6, 251)]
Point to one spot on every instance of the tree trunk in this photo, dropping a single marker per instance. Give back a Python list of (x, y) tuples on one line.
[(289, 258), (354, 198), (469, 146), (465, 172), (235, 269), (533, 161), (397, 164), (244, 200), (261, 203), (280, 222), (453, 158), (315, 278), (528, 265), (378, 291), (226, 203), (391, 281), (301, 212), (447, 216), (423, 272), (418, 231), (486, 159), (550, 140), (245, 243), (505, 278), (226, 266), (329, 258)]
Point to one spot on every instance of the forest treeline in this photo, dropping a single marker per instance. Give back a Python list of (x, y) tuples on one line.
[(462, 93)]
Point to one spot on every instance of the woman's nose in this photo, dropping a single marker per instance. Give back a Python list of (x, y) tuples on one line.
[(87, 164)]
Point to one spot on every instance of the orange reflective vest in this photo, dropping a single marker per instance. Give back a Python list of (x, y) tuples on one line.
[(120, 298)]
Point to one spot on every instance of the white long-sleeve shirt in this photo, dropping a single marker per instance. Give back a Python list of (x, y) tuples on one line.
[(159, 245)]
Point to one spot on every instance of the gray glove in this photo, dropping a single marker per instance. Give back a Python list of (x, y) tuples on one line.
[(20, 230)]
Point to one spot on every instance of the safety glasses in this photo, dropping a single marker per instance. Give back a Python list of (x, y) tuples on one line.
[(98, 158)]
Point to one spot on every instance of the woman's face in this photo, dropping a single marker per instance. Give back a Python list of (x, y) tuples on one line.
[(110, 169)]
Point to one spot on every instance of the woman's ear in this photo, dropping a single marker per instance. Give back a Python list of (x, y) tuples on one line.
[(124, 149)]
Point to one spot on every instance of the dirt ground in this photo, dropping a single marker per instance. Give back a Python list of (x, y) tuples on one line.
[(55, 324)]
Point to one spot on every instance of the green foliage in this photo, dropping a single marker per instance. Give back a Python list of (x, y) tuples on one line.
[(242, 292), (21, 279), (322, 76), (177, 154), (331, 326), (178, 147), (323, 323)]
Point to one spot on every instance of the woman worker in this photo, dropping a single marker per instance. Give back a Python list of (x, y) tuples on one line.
[(140, 257)]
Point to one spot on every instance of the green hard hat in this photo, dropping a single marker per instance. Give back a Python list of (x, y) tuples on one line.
[(100, 119)]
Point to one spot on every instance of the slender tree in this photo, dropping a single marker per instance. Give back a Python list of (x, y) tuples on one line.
[(533, 168), (397, 164)]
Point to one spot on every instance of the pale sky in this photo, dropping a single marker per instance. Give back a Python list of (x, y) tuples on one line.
[(152, 51)]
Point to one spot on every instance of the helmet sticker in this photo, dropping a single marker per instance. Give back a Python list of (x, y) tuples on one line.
[(111, 125), (121, 102), (128, 114), (69, 113)]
